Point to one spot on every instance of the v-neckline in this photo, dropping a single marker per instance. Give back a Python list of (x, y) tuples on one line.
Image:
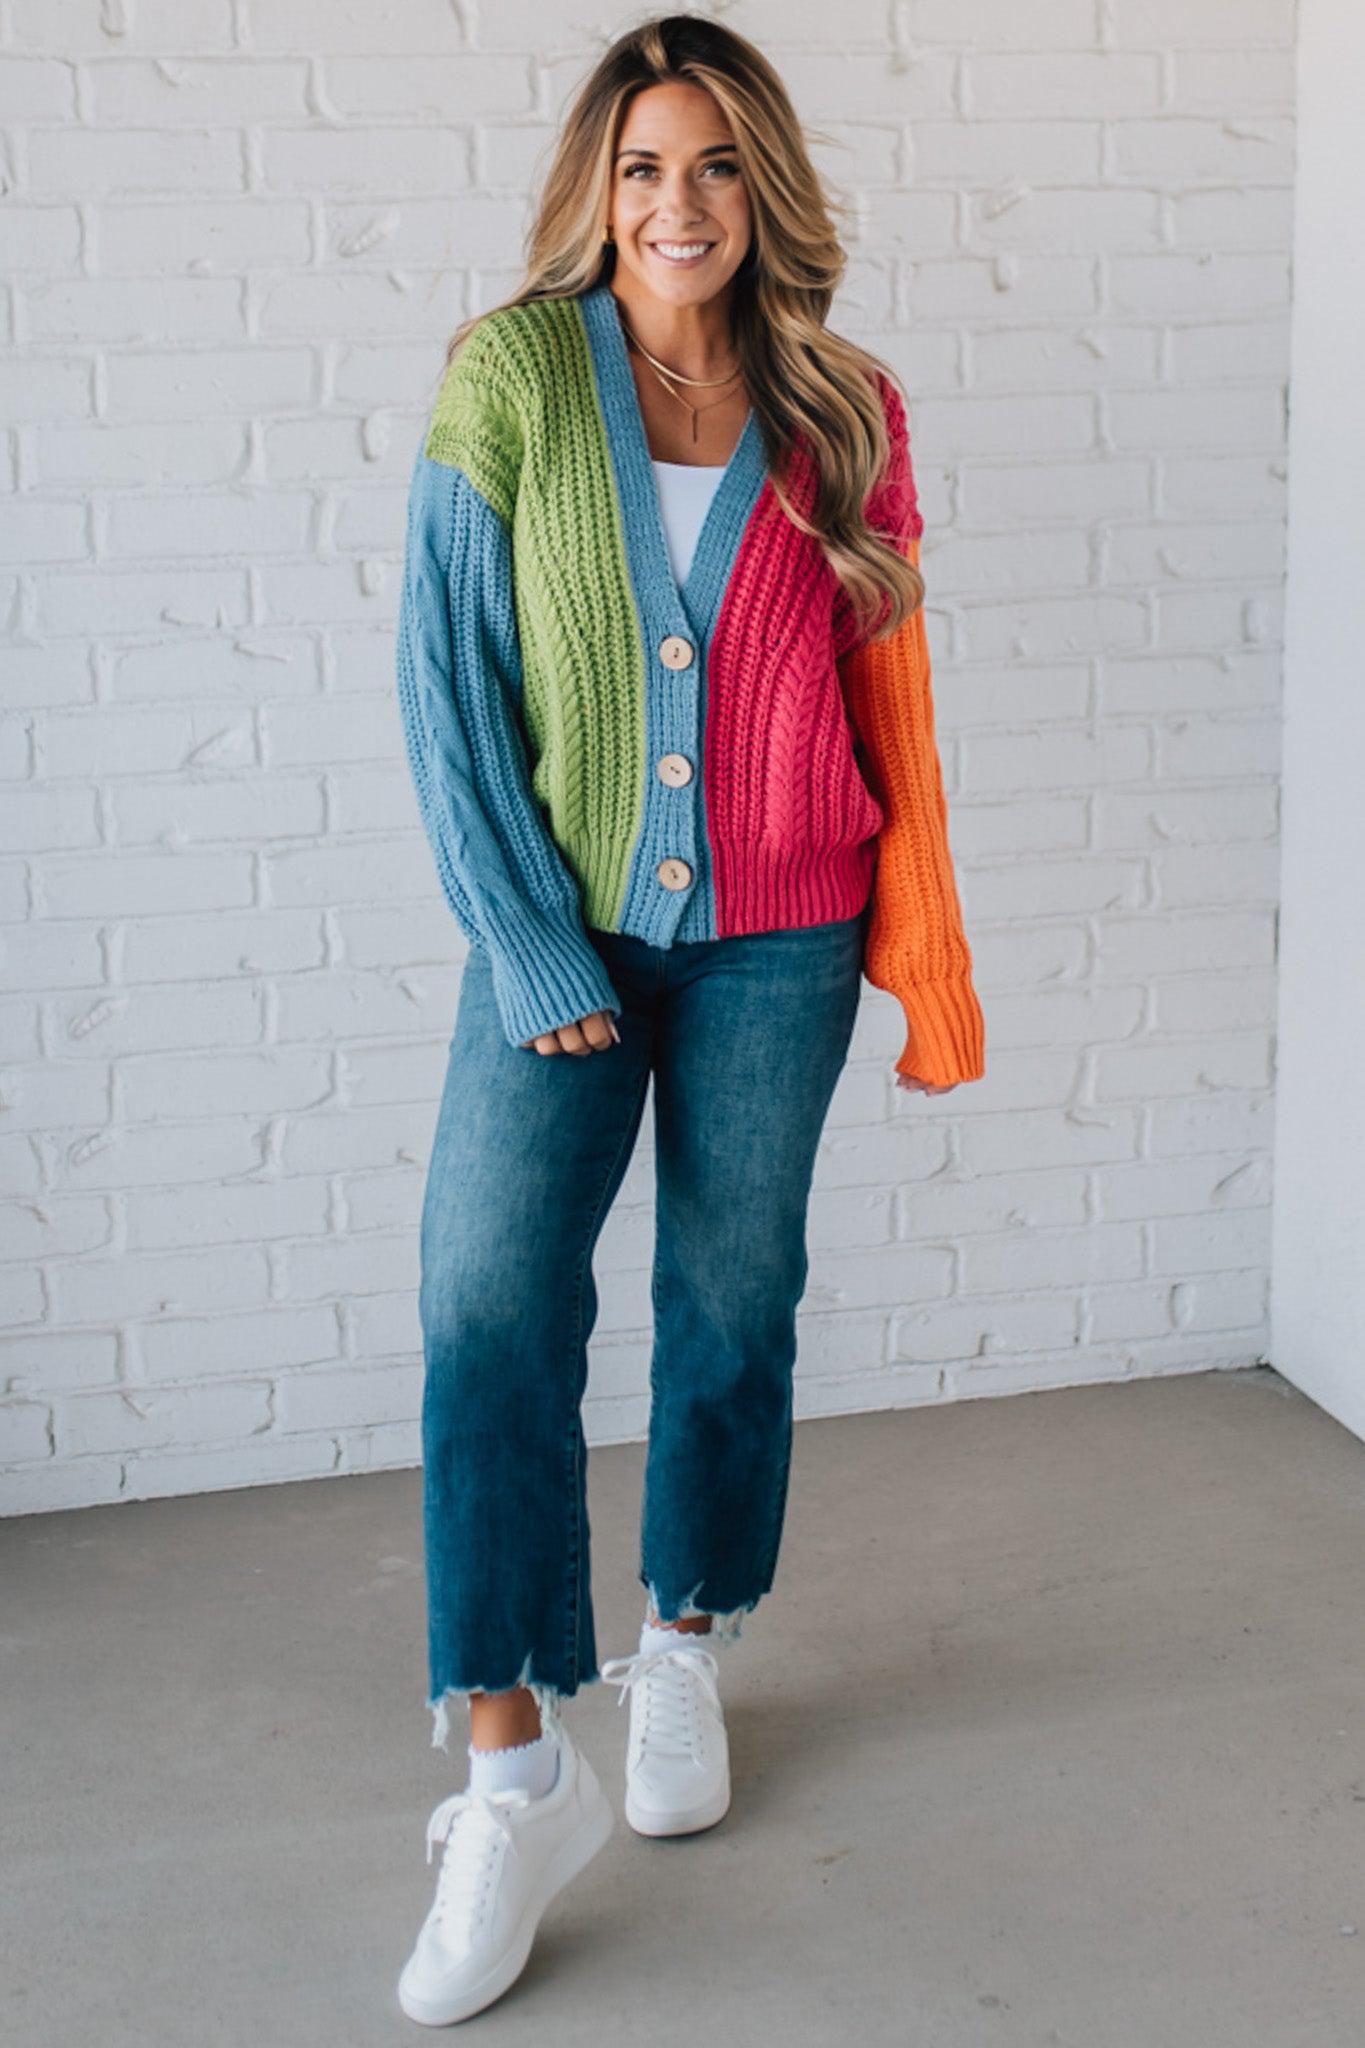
[(698, 597)]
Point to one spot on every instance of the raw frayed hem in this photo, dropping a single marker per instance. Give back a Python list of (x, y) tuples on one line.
[(725, 1627), (548, 1699)]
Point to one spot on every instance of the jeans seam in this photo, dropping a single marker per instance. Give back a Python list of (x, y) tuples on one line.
[(769, 1566), (577, 1480), (655, 1302)]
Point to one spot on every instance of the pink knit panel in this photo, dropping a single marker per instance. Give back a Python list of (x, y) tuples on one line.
[(792, 823)]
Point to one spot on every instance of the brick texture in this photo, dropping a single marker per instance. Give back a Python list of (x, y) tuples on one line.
[(235, 235)]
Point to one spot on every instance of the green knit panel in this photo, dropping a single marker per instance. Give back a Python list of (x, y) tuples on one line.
[(474, 424), (524, 422)]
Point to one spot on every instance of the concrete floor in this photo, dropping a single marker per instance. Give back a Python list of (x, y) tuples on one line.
[(1051, 1735)]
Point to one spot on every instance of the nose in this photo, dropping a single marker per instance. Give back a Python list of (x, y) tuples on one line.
[(677, 204)]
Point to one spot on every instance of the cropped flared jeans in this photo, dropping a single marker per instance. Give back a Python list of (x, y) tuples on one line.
[(745, 1038)]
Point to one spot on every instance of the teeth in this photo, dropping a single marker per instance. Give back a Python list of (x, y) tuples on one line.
[(681, 249)]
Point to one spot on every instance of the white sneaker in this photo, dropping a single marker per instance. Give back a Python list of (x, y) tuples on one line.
[(678, 1756), (506, 1855)]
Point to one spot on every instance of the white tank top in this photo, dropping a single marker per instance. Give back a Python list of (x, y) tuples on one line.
[(685, 493)]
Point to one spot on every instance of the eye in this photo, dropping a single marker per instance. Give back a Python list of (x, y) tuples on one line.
[(727, 170)]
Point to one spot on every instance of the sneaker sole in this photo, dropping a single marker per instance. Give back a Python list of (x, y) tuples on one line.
[(690, 1822), (571, 1857)]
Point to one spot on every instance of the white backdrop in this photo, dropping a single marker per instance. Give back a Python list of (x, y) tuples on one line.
[(1318, 1263), (237, 236)]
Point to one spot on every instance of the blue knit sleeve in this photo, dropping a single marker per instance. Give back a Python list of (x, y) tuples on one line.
[(459, 693)]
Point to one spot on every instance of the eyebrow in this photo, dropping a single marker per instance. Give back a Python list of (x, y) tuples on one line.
[(713, 149)]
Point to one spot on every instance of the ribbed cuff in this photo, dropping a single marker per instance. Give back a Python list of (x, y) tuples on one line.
[(544, 984), (946, 1040)]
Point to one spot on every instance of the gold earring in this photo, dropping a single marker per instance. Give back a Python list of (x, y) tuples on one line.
[(606, 232)]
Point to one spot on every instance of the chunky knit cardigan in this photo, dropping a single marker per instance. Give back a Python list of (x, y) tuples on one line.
[(595, 745)]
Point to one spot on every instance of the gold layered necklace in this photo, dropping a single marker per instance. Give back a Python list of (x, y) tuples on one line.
[(670, 378)]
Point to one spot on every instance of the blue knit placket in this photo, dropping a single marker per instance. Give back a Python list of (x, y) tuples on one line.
[(673, 819)]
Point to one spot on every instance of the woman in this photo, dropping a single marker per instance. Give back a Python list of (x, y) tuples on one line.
[(666, 697)]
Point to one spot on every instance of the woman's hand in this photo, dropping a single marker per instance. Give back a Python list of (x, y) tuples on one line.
[(590, 1034), (923, 1087)]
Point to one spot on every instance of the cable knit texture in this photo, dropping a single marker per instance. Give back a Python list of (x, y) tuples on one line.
[(595, 745)]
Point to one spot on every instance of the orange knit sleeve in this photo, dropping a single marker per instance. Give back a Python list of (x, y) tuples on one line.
[(916, 948)]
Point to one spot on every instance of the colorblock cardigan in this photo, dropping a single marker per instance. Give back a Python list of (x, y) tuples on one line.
[(595, 745)]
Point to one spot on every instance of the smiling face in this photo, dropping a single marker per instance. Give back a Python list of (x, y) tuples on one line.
[(679, 209)]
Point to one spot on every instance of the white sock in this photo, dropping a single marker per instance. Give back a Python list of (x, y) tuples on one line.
[(534, 1765), (652, 1638)]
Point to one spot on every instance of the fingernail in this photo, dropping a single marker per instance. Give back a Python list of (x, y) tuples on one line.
[(611, 1026)]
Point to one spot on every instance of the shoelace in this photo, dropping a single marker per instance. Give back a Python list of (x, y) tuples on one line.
[(668, 1700), (471, 1824)]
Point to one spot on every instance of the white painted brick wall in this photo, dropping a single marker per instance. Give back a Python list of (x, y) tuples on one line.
[(236, 234)]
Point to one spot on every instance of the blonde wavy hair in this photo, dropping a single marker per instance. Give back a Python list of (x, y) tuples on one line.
[(801, 377)]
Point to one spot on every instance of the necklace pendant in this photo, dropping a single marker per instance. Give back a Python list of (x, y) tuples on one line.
[(694, 427)]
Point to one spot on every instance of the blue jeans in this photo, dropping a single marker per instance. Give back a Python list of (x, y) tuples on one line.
[(746, 1038)]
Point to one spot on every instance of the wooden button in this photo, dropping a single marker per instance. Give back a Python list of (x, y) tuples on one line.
[(675, 769), (675, 652), (674, 874)]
